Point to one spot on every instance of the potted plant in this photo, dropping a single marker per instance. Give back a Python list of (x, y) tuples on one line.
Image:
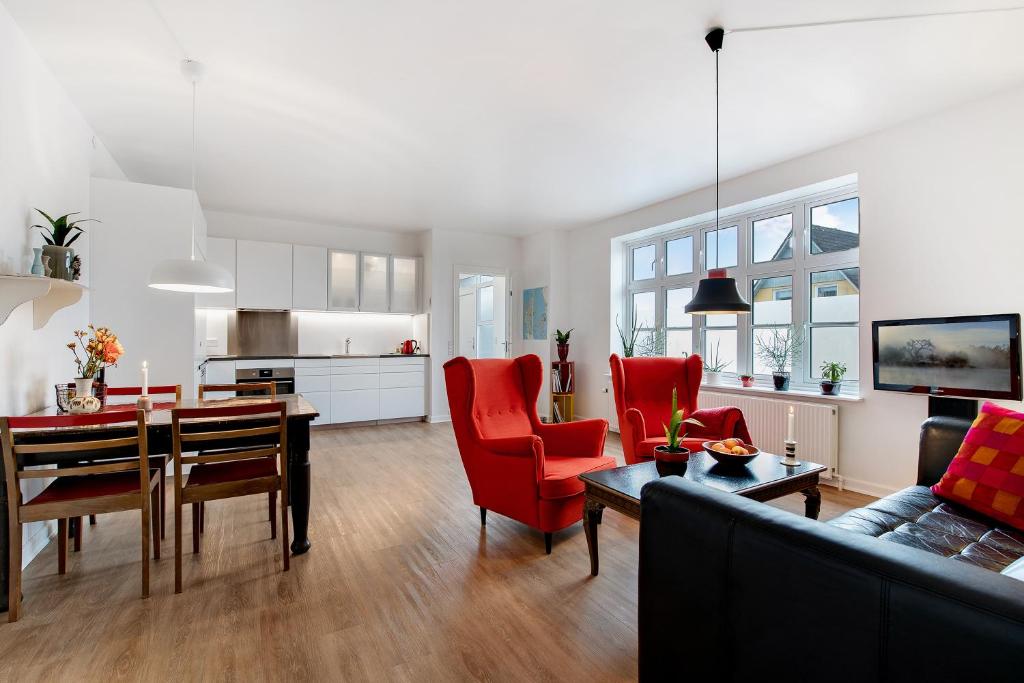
[(673, 454), (832, 374), (747, 380), (59, 235), (714, 365), (562, 342), (628, 340), (101, 350), (777, 351)]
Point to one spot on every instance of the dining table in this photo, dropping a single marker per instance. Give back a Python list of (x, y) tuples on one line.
[(300, 413)]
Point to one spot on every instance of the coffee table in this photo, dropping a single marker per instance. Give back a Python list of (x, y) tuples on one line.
[(763, 478)]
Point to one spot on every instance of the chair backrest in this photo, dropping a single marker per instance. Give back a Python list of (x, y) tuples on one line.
[(492, 398), (248, 387), (646, 384), (19, 455), (159, 390), (228, 433)]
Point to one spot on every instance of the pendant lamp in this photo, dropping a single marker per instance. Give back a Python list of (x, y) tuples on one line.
[(717, 293), (190, 275)]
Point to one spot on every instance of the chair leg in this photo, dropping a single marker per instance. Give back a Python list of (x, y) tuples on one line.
[(285, 550), (483, 516), (62, 545), (273, 514), (177, 544), (14, 570), (196, 507), (202, 517), (547, 542), (146, 521), (92, 520), (158, 526), (78, 534), (163, 500)]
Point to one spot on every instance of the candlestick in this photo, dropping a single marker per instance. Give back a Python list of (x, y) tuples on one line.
[(790, 459), (145, 378), (791, 425)]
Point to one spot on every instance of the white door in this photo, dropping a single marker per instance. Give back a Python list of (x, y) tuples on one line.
[(467, 326), (483, 307)]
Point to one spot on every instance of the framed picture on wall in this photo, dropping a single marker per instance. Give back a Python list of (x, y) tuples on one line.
[(535, 313)]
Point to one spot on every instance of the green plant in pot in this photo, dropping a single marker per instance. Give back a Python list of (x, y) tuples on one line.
[(714, 365), (832, 374), (777, 349), (59, 235), (562, 342), (628, 340), (673, 453)]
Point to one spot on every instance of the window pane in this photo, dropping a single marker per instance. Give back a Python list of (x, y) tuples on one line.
[(678, 342), (773, 238), (486, 303), (676, 299), (835, 296), (838, 344), (724, 245), (770, 338), (643, 309), (679, 256), (721, 320), (485, 341), (835, 226), (643, 263), (720, 345), (772, 300)]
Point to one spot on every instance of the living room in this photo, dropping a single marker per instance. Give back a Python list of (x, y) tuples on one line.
[(423, 232)]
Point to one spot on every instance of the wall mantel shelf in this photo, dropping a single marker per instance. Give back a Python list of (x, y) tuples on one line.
[(48, 295)]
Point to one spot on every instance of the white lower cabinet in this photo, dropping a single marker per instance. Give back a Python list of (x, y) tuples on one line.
[(363, 389), (359, 405), (220, 372), (321, 400), (355, 389), (403, 388)]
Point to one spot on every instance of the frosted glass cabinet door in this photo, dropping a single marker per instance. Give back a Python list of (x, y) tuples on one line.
[(404, 284), (373, 291), (344, 285)]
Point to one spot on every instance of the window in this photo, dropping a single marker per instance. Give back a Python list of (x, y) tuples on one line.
[(797, 261)]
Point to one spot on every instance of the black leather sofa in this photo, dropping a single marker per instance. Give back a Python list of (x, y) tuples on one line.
[(735, 590)]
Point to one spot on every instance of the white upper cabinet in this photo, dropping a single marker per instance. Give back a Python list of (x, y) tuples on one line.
[(263, 276), (343, 293), (373, 283), (309, 278), (222, 252), (405, 279)]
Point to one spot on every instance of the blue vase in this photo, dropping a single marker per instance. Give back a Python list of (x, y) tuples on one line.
[(37, 260)]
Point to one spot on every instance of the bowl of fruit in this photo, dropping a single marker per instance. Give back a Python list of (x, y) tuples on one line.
[(731, 451)]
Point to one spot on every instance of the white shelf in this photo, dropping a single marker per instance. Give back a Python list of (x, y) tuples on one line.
[(48, 295)]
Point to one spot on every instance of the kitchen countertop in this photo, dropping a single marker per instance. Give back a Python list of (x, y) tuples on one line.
[(321, 355)]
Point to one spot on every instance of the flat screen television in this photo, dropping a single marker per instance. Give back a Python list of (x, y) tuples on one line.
[(974, 356)]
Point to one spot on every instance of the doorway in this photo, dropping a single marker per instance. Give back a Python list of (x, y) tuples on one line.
[(482, 309)]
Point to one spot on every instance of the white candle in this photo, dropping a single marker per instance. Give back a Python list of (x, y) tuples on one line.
[(790, 425), (145, 378)]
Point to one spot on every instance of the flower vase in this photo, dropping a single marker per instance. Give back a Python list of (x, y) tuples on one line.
[(563, 352), (60, 261), (83, 386), (37, 261)]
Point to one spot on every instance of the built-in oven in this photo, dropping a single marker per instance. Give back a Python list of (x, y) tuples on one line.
[(282, 378)]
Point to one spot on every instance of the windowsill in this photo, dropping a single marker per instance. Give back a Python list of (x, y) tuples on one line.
[(801, 394)]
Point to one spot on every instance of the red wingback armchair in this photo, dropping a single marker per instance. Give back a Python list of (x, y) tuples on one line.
[(643, 401), (516, 465)]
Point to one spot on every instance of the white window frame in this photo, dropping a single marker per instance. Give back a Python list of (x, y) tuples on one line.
[(799, 267)]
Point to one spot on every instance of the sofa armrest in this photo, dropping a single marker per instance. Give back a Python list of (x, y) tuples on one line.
[(940, 440), (584, 438)]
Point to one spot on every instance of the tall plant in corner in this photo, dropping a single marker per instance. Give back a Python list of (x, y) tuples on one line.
[(59, 235)]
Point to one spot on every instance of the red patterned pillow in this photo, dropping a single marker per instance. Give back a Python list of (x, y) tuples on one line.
[(987, 474)]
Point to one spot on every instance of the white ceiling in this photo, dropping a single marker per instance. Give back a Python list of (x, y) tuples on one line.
[(511, 117)]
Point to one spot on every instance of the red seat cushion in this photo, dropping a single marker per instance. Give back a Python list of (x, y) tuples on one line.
[(560, 474), (65, 489), (234, 470), (987, 474)]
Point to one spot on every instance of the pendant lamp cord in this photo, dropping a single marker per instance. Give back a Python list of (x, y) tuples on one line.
[(717, 230), (195, 172)]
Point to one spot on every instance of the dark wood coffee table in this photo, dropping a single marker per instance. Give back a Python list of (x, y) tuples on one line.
[(764, 478)]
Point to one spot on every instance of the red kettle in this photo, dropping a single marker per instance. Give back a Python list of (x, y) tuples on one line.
[(410, 346)]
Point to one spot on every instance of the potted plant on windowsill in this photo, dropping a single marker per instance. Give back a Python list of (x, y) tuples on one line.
[(714, 365), (747, 380), (562, 343), (672, 457), (832, 374), (777, 351)]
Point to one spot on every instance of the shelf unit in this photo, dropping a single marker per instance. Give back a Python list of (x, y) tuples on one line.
[(48, 295)]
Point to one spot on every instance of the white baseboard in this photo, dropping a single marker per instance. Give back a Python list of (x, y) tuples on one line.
[(433, 419), (868, 488)]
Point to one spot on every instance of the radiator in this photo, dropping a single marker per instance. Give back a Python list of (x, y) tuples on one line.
[(817, 425)]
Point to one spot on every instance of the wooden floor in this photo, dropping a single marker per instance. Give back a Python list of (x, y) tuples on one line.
[(402, 584)]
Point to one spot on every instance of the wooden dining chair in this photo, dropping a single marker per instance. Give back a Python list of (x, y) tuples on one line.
[(230, 462), (83, 487)]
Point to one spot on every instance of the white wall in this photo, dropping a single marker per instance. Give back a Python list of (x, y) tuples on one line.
[(940, 236), (545, 263), (47, 154)]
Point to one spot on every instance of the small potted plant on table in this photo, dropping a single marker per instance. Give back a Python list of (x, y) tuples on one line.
[(832, 374), (562, 342), (714, 365), (777, 351), (672, 457)]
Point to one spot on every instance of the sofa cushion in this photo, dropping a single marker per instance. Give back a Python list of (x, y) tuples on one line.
[(916, 517), (987, 474)]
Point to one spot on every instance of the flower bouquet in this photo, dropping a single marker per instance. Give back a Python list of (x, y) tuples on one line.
[(95, 349)]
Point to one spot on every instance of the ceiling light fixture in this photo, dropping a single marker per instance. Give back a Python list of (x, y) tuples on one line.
[(189, 275), (717, 293)]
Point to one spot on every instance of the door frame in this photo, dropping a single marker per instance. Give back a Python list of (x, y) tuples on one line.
[(481, 270)]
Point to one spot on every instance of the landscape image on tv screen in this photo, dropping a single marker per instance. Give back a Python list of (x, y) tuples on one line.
[(968, 355)]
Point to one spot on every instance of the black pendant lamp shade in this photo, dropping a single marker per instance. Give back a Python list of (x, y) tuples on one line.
[(717, 293)]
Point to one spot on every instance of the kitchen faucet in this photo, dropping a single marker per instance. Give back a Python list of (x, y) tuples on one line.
[(348, 343)]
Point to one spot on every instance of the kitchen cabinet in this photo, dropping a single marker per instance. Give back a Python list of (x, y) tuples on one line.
[(373, 283), (402, 388), (355, 389), (263, 275), (343, 287), (220, 372), (221, 251), (405, 281), (309, 278), (313, 381)]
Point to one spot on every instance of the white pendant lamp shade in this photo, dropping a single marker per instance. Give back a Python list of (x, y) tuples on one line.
[(186, 275)]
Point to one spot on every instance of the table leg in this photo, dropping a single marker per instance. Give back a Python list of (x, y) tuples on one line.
[(298, 497), (591, 518), (812, 502)]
